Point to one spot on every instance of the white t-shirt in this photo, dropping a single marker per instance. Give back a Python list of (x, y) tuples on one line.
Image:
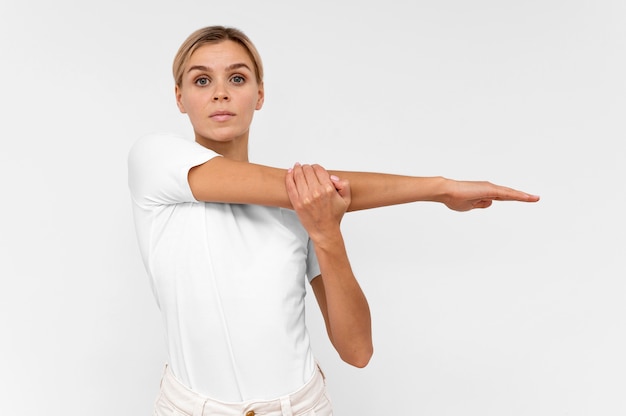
[(229, 279)]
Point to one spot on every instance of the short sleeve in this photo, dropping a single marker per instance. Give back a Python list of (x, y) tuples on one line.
[(312, 265), (158, 167)]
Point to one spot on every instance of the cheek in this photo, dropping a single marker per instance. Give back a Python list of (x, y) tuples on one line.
[(253, 102), (193, 104)]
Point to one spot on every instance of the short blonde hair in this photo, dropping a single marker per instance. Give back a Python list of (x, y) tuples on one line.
[(213, 35)]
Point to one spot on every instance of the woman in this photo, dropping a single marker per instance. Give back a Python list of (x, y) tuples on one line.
[(227, 244)]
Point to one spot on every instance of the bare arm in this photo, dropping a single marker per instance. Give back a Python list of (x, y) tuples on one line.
[(320, 203), (373, 190), (224, 180)]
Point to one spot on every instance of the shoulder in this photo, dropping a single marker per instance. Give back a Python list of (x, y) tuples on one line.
[(165, 148), (154, 142), (158, 166)]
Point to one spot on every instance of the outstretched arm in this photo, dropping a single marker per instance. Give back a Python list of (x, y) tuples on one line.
[(373, 190), (320, 202), (224, 180)]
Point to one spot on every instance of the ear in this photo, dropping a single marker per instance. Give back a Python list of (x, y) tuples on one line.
[(261, 99), (179, 101)]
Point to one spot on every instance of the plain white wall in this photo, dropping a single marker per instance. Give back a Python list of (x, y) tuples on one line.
[(515, 310)]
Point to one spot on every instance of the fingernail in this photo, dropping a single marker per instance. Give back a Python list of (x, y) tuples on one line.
[(289, 170), (334, 178)]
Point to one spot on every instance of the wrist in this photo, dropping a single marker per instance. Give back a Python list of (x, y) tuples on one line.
[(442, 189), (327, 240)]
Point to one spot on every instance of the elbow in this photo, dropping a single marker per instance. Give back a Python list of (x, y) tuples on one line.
[(360, 358)]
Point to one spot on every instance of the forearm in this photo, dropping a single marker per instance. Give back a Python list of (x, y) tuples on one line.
[(347, 310), (373, 190)]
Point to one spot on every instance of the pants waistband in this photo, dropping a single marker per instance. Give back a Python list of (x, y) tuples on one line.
[(195, 404)]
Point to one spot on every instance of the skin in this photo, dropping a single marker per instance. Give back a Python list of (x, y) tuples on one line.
[(321, 200), (220, 94)]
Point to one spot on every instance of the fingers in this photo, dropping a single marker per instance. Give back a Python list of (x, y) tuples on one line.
[(292, 189), (467, 195), (487, 190), (302, 185), (313, 178), (510, 194), (343, 188), (483, 203), (307, 183)]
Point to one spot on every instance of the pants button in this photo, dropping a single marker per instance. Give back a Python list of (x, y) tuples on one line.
[(250, 413)]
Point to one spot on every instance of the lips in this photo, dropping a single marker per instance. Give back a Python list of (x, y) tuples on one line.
[(221, 115)]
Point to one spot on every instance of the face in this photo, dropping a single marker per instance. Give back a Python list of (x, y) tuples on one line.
[(219, 93)]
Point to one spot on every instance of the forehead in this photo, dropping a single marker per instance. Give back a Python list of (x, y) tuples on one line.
[(216, 55)]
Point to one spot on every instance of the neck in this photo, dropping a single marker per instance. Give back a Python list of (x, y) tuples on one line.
[(236, 149)]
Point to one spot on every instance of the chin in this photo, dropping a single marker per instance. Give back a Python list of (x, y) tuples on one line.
[(221, 137)]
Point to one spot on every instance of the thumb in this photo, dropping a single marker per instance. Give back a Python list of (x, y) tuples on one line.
[(342, 186)]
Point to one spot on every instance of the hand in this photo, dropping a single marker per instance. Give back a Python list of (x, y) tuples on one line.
[(467, 195), (319, 198)]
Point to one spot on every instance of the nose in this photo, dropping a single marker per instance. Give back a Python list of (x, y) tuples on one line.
[(220, 97), (220, 93)]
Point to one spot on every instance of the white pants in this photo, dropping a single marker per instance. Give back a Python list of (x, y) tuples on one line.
[(175, 399)]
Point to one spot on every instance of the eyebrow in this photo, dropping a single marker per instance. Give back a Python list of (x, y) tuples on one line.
[(228, 68)]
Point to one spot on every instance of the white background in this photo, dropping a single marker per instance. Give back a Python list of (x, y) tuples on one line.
[(515, 310)]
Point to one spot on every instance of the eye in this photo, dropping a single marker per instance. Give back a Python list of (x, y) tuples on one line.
[(202, 81), (238, 79)]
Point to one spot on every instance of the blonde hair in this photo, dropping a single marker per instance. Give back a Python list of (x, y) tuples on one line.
[(213, 35)]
